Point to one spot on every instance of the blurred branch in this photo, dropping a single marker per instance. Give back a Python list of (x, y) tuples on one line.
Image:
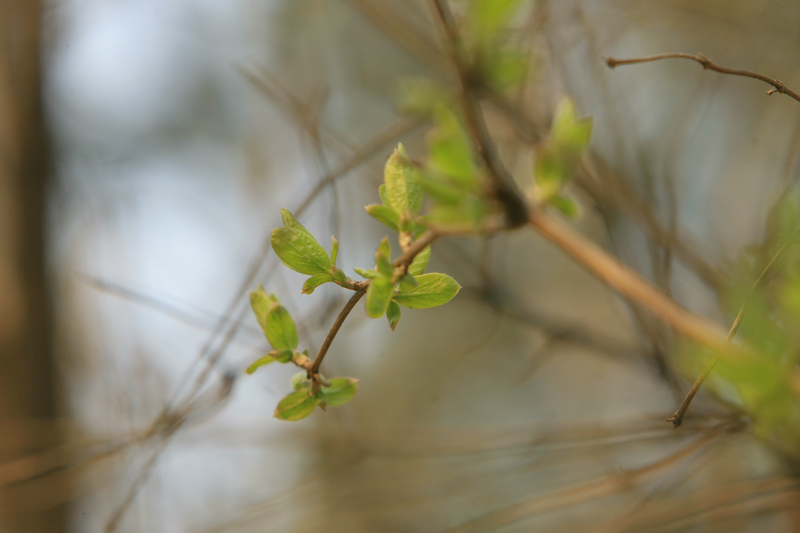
[(778, 86)]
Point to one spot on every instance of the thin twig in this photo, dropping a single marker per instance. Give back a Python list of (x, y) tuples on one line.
[(313, 368), (778, 86), (677, 418)]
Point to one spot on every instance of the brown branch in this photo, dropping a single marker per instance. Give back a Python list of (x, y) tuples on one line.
[(778, 86), (504, 189), (677, 418), (313, 367)]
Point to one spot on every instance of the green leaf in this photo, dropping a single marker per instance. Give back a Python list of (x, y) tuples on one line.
[(341, 391), (300, 251), (393, 314), (296, 406), (450, 149), (289, 221), (569, 136), (401, 178), (566, 205), (384, 197), (315, 281), (300, 381), (506, 69), (432, 290), (282, 356), (379, 294), (550, 173), (261, 303), (338, 274), (420, 262), (334, 250), (487, 17), (264, 361), (369, 274), (408, 283), (384, 215), (280, 330), (382, 255)]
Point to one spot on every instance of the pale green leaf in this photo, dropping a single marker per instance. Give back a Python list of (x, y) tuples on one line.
[(261, 303), (566, 205), (393, 314), (295, 406), (341, 391), (420, 262), (384, 215), (264, 361), (369, 274), (300, 251), (450, 149), (300, 381), (401, 178), (334, 250), (379, 294), (315, 281), (289, 221), (280, 329), (432, 290)]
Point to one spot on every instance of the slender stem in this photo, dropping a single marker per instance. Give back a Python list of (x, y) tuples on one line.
[(677, 418), (778, 86), (313, 368)]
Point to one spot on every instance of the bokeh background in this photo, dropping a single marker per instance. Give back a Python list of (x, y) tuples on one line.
[(146, 148)]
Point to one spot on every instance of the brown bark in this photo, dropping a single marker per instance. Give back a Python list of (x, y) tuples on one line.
[(27, 398)]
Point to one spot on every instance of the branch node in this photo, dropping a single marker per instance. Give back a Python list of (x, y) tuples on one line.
[(610, 62)]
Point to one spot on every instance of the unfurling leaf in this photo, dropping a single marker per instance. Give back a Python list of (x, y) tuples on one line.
[(570, 135), (334, 250), (420, 262), (341, 391), (295, 406), (432, 290), (364, 273), (289, 221), (382, 254), (261, 302), (379, 294), (393, 314), (384, 215), (264, 361), (401, 177), (315, 281)]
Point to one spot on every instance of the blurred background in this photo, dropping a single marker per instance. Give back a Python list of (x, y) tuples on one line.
[(145, 150)]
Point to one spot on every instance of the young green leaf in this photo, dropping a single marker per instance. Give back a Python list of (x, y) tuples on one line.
[(289, 221), (379, 294), (279, 329), (338, 274), (487, 17), (401, 178), (341, 391), (261, 303), (382, 255), (393, 314), (432, 290), (450, 149), (315, 281), (334, 250), (384, 197), (384, 215), (420, 262), (264, 361), (364, 273), (407, 283), (566, 205), (300, 251), (568, 133), (551, 174), (295, 406)]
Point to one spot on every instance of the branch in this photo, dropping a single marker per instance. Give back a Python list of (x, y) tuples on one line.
[(504, 189), (630, 285), (313, 367), (778, 86)]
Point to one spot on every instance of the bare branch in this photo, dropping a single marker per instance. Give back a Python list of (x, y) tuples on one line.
[(778, 86)]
